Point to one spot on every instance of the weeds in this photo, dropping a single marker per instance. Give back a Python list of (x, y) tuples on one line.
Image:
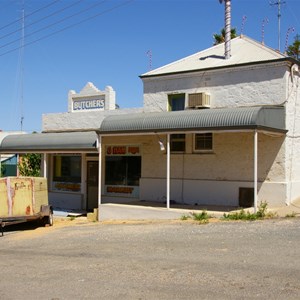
[(291, 215), (185, 217), (242, 215), (202, 217), (247, 216)]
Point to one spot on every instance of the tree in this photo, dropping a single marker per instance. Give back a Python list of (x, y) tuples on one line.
[(294, 49), (30, 165), (220, 38)]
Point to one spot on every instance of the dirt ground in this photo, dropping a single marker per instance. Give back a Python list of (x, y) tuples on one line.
[(78, 259)]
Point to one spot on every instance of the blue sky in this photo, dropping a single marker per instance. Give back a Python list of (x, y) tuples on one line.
[(108, 46)]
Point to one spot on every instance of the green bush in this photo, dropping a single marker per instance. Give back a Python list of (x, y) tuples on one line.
[(202, 217), (247, 216)]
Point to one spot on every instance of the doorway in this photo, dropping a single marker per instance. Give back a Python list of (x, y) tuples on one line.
[(92, 185)]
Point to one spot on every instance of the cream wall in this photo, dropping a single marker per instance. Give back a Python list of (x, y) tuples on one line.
[(212, 178), (243, 86), (292, 151)]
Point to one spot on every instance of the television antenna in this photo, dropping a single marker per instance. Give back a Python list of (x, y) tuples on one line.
[(291, 29), (243, 24), (149, 54), (21, 67), (278, 3), (264, 22)]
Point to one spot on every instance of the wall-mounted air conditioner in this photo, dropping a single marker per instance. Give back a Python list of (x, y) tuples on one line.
[(199, 100)]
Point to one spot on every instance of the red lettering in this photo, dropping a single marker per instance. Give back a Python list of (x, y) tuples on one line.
[(133, 150), (119, 150)]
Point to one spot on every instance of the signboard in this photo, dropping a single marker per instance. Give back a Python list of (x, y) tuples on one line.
[(130, 150), (125, 191), (66, 186), (88, 104)]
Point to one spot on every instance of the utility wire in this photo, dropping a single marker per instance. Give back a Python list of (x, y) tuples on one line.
[(53, 24), (34, 12), (68, 27), (42, 19)]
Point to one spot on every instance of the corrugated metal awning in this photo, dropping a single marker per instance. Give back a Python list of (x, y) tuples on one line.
[(50, 142), (265, 118)]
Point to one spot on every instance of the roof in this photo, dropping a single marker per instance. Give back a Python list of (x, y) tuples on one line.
[(53, 142), (268, 118), (244, 50)]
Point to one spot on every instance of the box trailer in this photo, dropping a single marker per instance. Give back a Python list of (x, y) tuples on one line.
[(24, 199)]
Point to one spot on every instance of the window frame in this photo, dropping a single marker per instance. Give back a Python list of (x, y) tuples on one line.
[(178, 140), (203, 150), (171, 97)]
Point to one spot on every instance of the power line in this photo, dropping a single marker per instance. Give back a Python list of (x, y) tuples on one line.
[(53, 24), (70, 26), (34, 12), (42, 19)]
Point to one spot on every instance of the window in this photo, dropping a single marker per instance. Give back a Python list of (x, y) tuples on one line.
[(67, 168), (176, 102), (203, 142), (177, 142), (122, 170)]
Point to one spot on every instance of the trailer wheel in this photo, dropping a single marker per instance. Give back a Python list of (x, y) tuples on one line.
[(48, 220)]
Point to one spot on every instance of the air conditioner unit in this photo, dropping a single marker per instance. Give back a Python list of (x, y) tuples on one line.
[(199, 100)]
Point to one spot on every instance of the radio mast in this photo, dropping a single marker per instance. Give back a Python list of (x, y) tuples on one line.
[(278, 3)]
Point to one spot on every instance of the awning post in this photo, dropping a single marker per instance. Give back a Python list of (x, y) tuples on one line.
[(99, 174), (44, 165), (255, 171), (168, 171)]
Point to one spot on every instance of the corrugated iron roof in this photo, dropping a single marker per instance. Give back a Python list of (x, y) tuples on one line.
[(41, 142), (243, 51), (271, 118)]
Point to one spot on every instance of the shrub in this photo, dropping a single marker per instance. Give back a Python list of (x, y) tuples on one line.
[(247, 216)]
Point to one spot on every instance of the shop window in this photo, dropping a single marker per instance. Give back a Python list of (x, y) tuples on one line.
[(203, 142), (67, 173), (177, 142), (176, 102), (122, 170)]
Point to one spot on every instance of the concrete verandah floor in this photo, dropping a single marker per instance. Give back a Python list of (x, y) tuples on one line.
[(146, 210)]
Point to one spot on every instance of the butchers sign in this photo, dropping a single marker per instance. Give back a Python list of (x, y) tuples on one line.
[(88, 104)]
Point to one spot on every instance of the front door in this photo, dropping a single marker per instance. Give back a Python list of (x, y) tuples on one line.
[(92, 185)]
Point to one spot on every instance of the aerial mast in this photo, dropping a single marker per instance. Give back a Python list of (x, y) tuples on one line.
[(227, 27), (21, 69), (278, 3)]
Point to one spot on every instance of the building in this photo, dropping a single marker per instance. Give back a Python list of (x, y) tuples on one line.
[(8, 165), (212, 131)]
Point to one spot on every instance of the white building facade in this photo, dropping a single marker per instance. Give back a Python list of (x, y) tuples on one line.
[(211, 132)]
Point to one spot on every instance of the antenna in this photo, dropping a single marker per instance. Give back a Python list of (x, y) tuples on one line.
[(243, 24), (264, 22), (149, 54), (278, 3), (22, 68), (291, 29)]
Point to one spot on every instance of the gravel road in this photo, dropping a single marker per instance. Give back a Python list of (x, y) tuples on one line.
[(153, 260)]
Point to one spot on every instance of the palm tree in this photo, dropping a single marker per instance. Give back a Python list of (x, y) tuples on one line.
[(294, 49), (220, 38)]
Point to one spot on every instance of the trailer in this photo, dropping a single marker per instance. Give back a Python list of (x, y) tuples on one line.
[(24, 199)]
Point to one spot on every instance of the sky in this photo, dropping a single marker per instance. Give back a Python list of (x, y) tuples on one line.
[(68, 43)]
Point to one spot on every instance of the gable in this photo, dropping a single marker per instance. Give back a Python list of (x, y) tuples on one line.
[(243, 51)]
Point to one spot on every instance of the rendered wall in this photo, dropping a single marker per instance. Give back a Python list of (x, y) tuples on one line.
[(244, 86), (292, 151)]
